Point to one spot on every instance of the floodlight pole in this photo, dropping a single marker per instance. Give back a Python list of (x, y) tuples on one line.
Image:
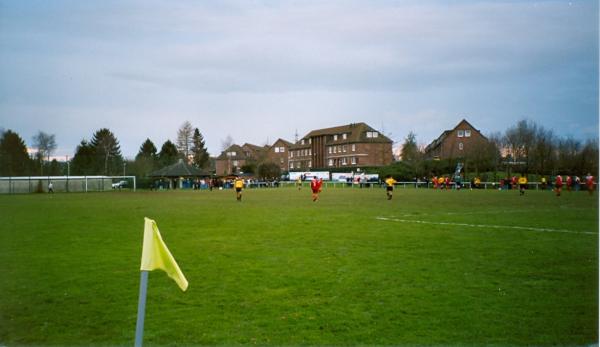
[(139, 327)]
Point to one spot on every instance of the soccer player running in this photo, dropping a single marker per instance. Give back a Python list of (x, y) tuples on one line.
[(238, 184), (522, 184), (315, 186), (389, 186)]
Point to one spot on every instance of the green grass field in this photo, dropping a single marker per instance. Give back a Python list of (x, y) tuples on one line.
[(445, 268)]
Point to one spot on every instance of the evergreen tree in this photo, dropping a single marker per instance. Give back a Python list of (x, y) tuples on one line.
[(14, 160), (147, 150), (108, 152), (168, 154), (83, 163), (146, 159), (198, 150)]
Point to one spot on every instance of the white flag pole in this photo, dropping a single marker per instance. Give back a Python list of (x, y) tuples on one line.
[(139, 328)]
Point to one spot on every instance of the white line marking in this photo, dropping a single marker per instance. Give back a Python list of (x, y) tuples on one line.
[(487, 226)]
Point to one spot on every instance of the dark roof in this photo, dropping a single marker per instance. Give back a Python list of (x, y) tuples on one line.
[(435, 143), (255, 148), (285, 142), (179, 169), (356, 132), (239, 153)]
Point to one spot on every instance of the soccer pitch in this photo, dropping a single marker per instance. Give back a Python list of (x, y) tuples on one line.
[(426, 268)]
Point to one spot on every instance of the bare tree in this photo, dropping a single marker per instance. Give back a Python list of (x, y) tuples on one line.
[(520, 140), (226, 143), (184, 139), (45, 144), (544, 149)]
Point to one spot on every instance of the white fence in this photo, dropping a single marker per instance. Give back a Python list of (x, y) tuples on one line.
[(40, 184)]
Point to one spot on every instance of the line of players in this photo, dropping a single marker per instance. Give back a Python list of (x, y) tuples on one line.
[(441, 183)]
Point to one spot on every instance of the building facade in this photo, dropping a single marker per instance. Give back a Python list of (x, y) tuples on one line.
[(278, 153), (231, 160), (348, 146), (455, 143)]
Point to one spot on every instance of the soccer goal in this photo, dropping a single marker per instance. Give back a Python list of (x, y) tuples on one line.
[(46, 184)]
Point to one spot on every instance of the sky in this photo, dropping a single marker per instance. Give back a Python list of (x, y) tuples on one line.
[(261, 70)]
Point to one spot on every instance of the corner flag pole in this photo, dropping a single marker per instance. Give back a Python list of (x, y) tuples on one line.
[(139, 327)]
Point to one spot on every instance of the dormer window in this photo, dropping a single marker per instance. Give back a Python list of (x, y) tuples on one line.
[(344, 136), (302, 142), (335, 137), (372, 134), (231, 154)]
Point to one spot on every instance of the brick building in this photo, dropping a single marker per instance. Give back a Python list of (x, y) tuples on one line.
[(278, 153), (455, 143), (352, 145)]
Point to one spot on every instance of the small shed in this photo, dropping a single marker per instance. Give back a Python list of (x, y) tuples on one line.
[(180, 175)]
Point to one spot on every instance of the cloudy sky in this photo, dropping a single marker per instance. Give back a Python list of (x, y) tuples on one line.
[(260, 70)]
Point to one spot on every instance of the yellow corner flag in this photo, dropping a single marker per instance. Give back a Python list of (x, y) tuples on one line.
[(156, 255)]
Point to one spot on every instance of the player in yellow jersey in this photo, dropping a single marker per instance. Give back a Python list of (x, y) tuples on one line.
[(238, 184), (389, 186), (522, 184)]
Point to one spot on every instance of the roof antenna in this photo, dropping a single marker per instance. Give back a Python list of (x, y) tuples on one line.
[(296, 136)]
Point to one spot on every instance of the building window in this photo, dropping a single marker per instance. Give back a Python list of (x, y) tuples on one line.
[(231, 154), (309, 151), (372, 134), (291, 165), (334, 137), (276, 149), (235, 163), (344, 136), (310, 163), (353, 160), (291, 154), (309, 141), (344, 161), (302, 142), (460, 146), (329, 149), (461, 133), (467, 133), (353, 147), (344, 148), (334, 149), (330, 162), (281, 160)]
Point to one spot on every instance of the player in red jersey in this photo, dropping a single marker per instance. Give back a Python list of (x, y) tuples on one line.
[(569, 183), (558, 183), (315, 186), (589, 182)]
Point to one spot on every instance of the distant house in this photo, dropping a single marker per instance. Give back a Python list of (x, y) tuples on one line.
[(231, 160), (350, 146), (278, 153), (455, 143)]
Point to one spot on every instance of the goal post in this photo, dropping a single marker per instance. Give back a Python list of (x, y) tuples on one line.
[(42, 184)]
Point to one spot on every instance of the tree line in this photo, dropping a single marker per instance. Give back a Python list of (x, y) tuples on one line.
[(99, 156), (526, 147)]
